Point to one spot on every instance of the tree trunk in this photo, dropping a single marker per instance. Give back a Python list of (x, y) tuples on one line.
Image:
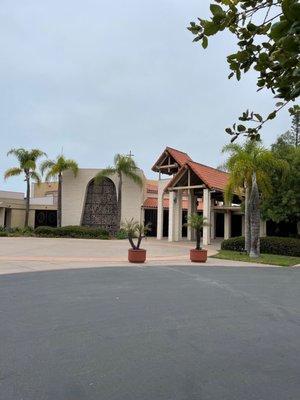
[(139, 241), (27, 200), (198, 239), (59, 195), (254, 219), (120, 199), (132, 243), (247, 221)]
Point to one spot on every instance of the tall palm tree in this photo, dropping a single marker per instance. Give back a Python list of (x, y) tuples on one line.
[(123, 166), (55, 169), (249, 165), (27, 164)]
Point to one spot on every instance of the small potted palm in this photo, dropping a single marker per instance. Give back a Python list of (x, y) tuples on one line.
[(135, 231), (197, 222)]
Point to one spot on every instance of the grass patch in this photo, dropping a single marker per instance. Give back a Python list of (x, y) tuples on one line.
[(273, 259)]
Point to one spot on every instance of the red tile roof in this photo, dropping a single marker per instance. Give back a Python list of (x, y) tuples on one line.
[(212, 177), (152, 187), (179, 156)]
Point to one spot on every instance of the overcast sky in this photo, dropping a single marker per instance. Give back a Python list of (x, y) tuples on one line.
[(99, 77)]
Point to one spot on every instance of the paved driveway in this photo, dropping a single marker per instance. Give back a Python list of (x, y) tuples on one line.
[(42, 254), (150, 333)]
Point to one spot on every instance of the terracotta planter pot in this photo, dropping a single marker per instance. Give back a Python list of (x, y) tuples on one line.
[(198, 255), (137, 256)]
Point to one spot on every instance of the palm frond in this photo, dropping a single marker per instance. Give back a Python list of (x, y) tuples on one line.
[(134, 177), (12, 172), (197, 221), (104, 173), (36, 177), (71, 165), (50, 176), (27, 158), (35, 154), (47, 164)]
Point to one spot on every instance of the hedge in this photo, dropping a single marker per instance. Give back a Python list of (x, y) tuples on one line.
[(121, 234), (72, 232), (15, 232), (268, 245)]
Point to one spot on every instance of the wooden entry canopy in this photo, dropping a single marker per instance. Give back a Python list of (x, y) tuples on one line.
[(193, 175), (189, 174), (170, 161)]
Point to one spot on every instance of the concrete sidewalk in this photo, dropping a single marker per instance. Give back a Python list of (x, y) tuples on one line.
[(44, 254)]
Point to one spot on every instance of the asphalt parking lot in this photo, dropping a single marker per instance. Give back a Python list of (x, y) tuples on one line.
[(150, 333)]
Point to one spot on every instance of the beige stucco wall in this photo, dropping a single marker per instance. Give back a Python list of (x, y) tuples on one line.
[(2, 215), (74, 192), (17, 207), (43, 189), (17, 218)]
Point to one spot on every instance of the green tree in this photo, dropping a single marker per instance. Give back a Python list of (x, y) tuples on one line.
[(268, 39), (123, 166), (284, 204), (54, 169), (249, 175), (292, 136), (27, 165)]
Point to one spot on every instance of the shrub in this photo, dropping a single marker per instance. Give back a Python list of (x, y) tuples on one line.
[(121, 234), (4, 231), (234, 244), (72, 232), (269, 245)]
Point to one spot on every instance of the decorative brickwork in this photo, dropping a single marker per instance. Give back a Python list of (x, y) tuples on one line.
[(101, 206)]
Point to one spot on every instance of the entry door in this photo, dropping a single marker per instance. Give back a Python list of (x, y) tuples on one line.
[(151, 218), (219, 225)]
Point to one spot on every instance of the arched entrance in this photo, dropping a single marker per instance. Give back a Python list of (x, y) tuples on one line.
[(101, 206)]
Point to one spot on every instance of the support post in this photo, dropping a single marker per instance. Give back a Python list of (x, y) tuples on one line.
[(160, 215), (227, 224), (2, 216), (171, 216), (206, 214), (213, 225), (178, 217)]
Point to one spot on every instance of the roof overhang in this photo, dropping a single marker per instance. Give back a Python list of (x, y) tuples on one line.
[(170, 161)]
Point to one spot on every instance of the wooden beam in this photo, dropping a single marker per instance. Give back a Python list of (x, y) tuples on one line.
[(187, 187), (175, 165)]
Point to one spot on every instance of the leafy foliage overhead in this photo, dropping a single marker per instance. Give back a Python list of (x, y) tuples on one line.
[(268, 40), (284, 204)]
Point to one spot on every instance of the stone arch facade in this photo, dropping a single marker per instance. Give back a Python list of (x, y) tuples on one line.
[(101, 206)]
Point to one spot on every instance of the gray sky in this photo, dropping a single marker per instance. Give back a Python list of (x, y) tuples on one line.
[(99, 77)]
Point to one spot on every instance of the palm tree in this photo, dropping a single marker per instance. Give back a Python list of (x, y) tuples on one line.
[(249, 165), (27, 164), (197, 222), (55, 169), (123, 166)]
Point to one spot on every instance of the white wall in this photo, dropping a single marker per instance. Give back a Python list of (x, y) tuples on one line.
[(74, 192), (11, 195)]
